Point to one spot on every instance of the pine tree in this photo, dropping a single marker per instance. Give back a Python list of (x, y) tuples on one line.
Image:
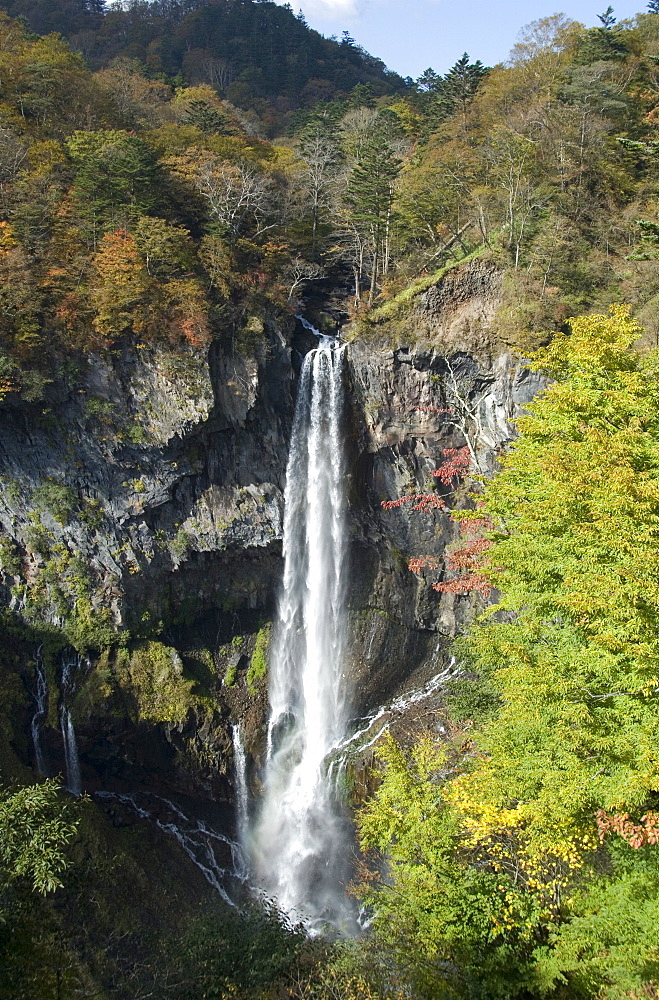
[(456, 89), (371, 192), (607, 18)]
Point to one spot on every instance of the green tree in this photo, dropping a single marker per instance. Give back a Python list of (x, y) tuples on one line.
[(115, 179), (454, 92), (371, 190), (35, 827), (565, 777)]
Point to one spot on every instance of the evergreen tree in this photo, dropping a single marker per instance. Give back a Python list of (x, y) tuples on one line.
[(371, 191), (453, 92), (607, 18)]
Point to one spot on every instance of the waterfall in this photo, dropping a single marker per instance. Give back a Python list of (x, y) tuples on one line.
[(218, 858), (36, 725), (371, 727), (240, 771), (70, 662), (299, 844)]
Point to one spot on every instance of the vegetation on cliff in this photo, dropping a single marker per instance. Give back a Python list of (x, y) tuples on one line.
[(510, 879), (141, 208)]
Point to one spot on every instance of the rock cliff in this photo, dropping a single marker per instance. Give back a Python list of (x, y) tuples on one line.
[(141, 518)]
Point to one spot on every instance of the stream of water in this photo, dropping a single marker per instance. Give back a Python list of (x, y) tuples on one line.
[(71, 661), (39, 717), (299, 840), (240, 781), (220, 859)]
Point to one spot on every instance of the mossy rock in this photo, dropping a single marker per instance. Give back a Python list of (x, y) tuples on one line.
[(258, 664), (153, 675)]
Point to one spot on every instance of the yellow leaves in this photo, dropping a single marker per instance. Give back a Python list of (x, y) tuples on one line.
[(409, 119), (594, 342), (7, 238), (481, 820), (121, 281)]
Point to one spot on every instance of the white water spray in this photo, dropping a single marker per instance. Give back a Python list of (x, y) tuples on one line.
[(36, 725), (240, 777), (299, 845), (70, 663)]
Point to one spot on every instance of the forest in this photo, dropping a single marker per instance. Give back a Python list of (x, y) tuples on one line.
[(165, 178)]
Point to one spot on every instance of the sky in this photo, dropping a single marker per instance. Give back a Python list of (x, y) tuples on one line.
[(411, 35)]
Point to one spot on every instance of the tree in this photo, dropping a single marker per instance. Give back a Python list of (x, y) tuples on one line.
[(552, 820), (320, 154), (120, 286), (35, 826), (115, 178), (607, 18), (239, 197), (453, 92), (370, 194)]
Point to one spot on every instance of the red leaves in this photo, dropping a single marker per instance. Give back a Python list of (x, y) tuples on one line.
[(422, 501), (456, 466), (636, 834), (466, 561), (466, 584), (417, 563)]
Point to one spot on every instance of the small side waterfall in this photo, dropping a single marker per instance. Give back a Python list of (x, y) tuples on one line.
[(36, 725), (70, 662), (220, 859), (299, 844), (240, 777)]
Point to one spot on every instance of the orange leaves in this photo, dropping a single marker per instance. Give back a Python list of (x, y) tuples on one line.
[(120, 287), (118, 259), (421, 501), (417, 563), (129, 300), (636, 834)]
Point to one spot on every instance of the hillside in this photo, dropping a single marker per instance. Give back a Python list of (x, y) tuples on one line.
[(258, 54)]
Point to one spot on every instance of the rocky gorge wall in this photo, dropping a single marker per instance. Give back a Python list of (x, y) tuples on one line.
[(141, 519)]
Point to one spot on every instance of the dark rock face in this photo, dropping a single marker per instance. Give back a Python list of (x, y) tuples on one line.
[(451, 362), (163, 476)]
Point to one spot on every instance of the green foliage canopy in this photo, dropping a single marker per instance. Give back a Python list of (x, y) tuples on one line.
[(571, 649)]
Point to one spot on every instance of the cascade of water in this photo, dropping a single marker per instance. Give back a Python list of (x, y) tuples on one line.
[(242, 794), (70, 663), (372, 727), (298, 844), (220, 859), (36, 726)]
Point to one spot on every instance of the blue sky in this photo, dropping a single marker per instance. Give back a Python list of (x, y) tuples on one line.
[(410, 35)]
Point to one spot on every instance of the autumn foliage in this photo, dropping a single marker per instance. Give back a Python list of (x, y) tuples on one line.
[(637, 835)]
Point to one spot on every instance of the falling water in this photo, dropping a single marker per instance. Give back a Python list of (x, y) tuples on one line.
[(220, 859), (299, 843), (371, 727), (36, 726), (240, 769), (70, 663)]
